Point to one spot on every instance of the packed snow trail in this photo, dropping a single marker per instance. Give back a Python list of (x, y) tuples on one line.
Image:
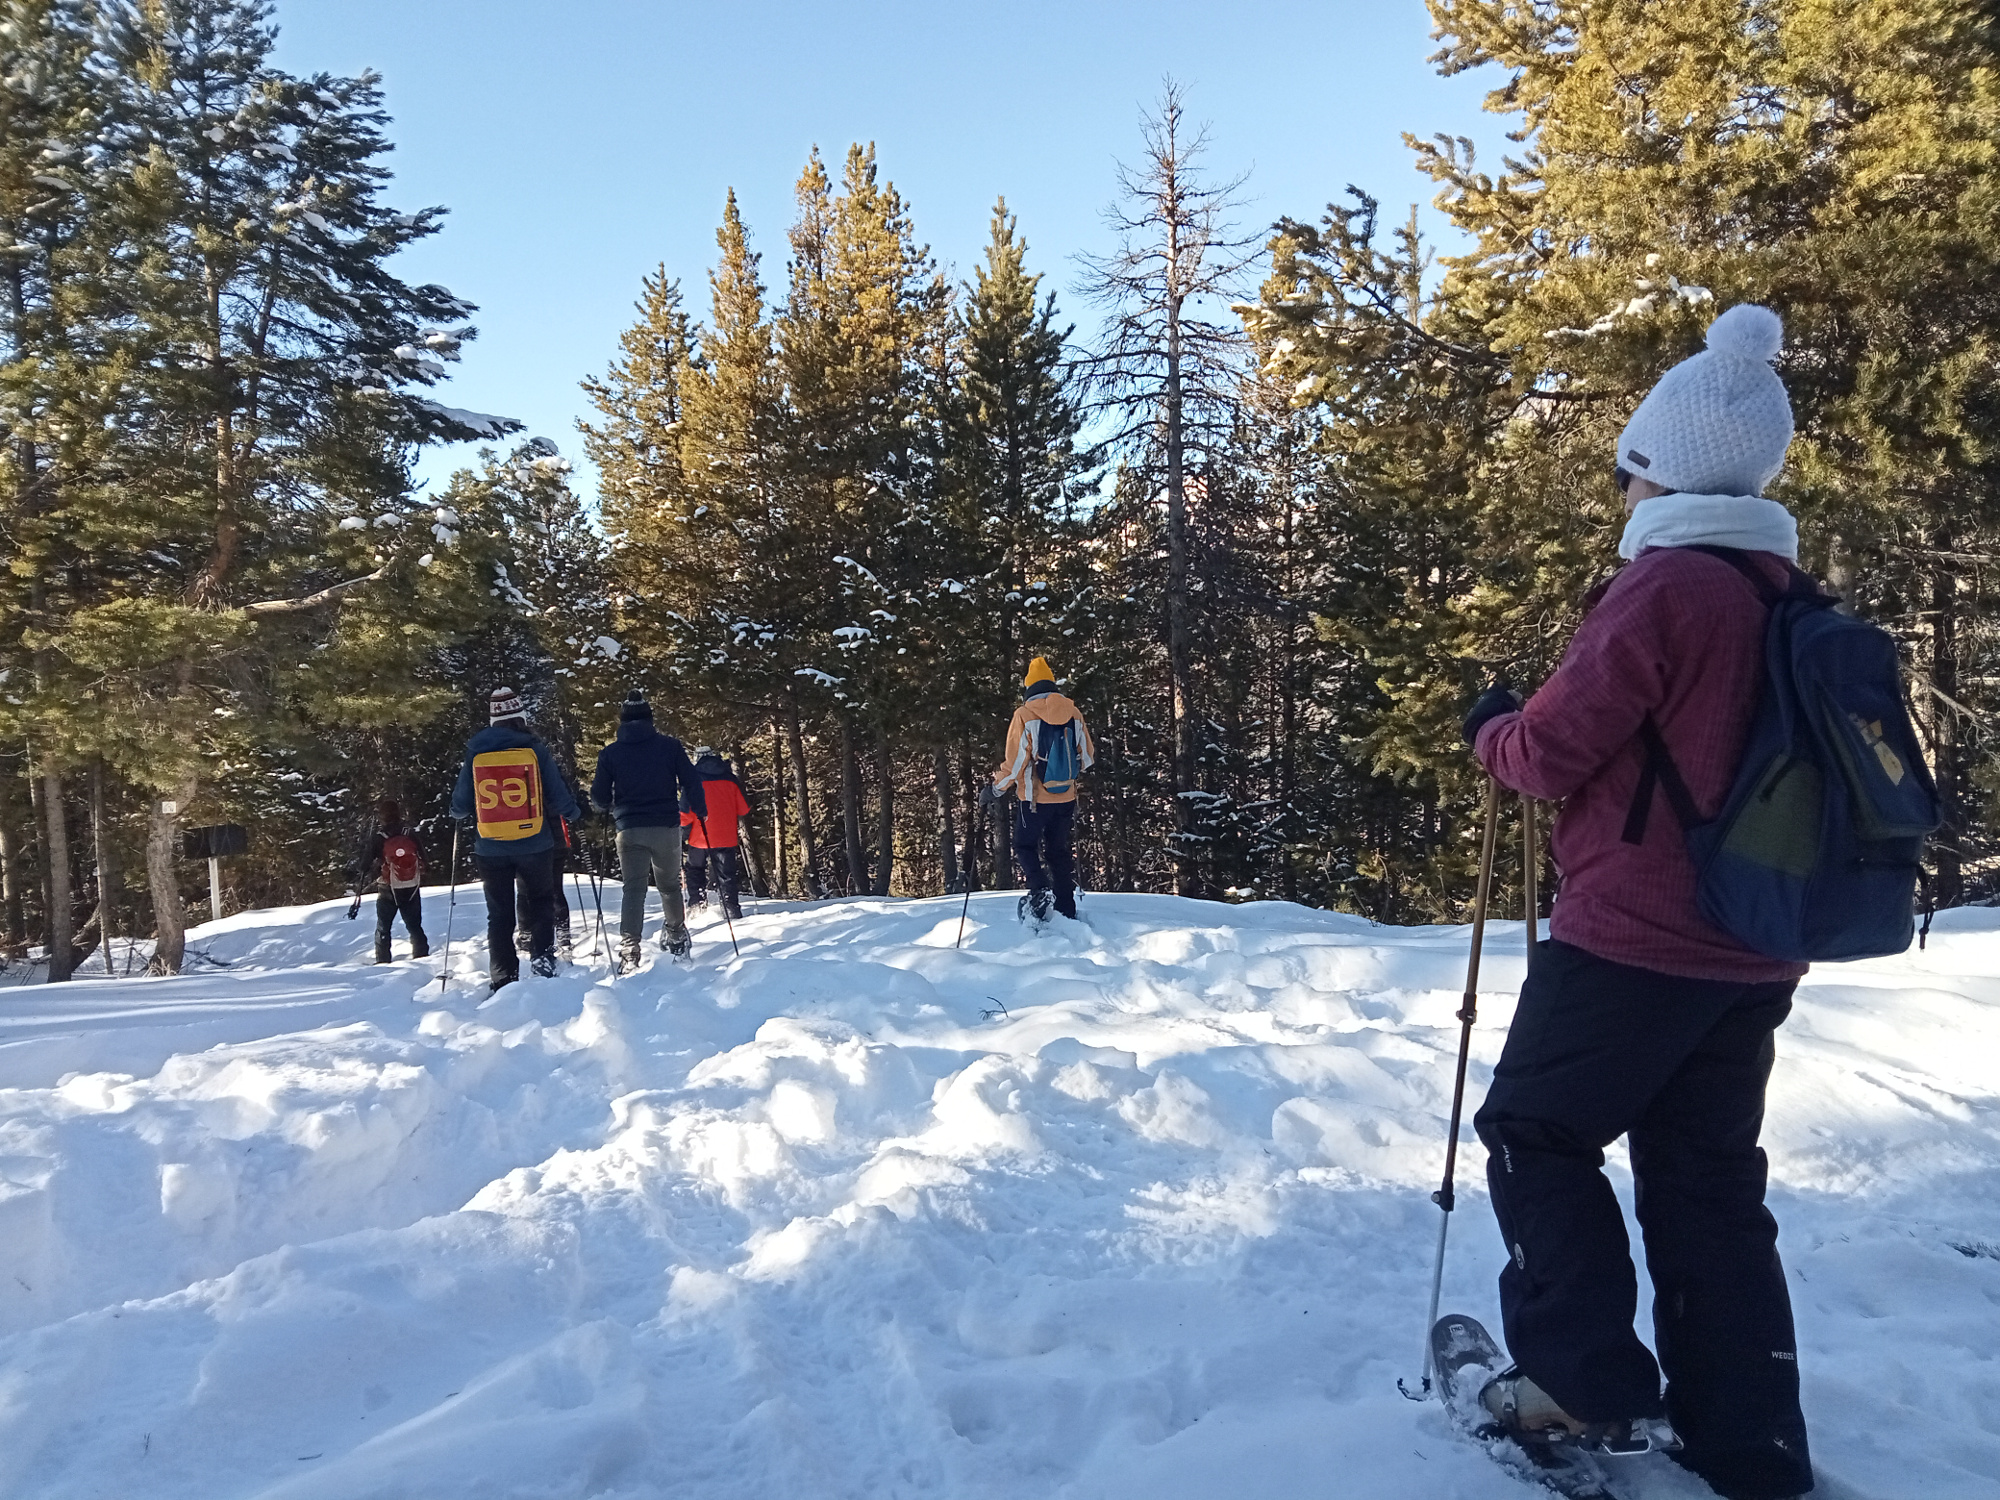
[(1132, 1208)]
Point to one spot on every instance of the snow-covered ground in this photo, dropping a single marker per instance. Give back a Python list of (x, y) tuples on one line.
[(1138, 1208)]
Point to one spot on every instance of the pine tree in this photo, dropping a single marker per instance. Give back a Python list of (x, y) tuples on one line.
[(1835, 162), (1165, 373), (268, 395)]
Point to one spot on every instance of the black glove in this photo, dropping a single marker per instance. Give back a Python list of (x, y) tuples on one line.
[(988, 795), (1490, 705)]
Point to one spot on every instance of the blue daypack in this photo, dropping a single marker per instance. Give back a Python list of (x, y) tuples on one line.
[(1056, 756), (1817, 852)]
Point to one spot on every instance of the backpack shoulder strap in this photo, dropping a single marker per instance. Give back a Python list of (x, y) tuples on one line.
[(1766, 590), (1658, 774)]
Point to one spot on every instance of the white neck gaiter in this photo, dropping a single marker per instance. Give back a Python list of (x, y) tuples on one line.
[(1746, 521)]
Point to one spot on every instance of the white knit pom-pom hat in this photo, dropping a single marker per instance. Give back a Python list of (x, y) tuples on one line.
[(1719, 422)]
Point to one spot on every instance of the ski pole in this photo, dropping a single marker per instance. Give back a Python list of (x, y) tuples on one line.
[(1468, 1013), (451, 911), (1531, 872), (728, 920), (970, 842), (576, 884), (597, 895)]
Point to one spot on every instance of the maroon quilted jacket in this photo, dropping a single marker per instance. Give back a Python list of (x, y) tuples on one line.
[(1678, 634)]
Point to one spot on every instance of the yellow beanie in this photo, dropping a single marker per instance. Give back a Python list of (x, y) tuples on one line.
[(1038, 671)]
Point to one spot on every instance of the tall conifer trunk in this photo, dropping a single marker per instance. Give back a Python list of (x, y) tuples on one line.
[(975, 819), (781, 885), (809, 879), (163, 880), (107, 864), (1187, 881), (62, 936), (947, 832), (885, 812), (13, 924), (850, 810)]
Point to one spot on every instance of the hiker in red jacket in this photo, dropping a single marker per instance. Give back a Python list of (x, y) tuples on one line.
[(391, 858), (712, 839), (1639, 1018)]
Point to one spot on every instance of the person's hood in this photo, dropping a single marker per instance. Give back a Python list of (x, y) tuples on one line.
[(637, 729), (1748, 522), (501, 737), (1050, 708), (713, 768)]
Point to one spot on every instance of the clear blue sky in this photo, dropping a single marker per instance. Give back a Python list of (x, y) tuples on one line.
[(578, 145)]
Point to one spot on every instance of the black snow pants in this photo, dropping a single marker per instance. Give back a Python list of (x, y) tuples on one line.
[(1046, 826), (409, 903), (696, 866), (537, 877), (1678, 1066), (523, 939)]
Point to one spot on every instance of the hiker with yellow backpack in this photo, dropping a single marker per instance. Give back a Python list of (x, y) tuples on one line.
[(511, 787), (1048, 748)]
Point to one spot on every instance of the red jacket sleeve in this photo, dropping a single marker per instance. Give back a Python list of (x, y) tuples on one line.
[(733, 803), (1614, 674)]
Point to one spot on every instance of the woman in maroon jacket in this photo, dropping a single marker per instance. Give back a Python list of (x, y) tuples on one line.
[(1639, 1018)]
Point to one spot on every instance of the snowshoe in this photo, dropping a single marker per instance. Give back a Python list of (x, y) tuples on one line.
[(1466, 1363), (678, 948), (544, 965), (1528, 1414)]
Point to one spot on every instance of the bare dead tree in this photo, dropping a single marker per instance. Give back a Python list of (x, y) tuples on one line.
[(1163, 380)]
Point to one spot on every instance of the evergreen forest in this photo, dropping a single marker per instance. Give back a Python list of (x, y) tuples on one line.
[(1275, 499)]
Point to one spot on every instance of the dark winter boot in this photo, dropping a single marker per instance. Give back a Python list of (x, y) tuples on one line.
[(420, 945), (383, 953), (628, 955), (1040, 903), (501, 978), (1528, 1414), (735, 910), (544, 965), (522, 942), (679, 947)]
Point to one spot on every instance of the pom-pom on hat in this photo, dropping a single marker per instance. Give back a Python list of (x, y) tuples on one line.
[(635, 707), (1038, 671), (505, 704), (1719, 422)]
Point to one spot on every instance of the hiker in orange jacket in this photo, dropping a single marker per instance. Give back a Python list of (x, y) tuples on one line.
[(712, 839), (1048, 747)]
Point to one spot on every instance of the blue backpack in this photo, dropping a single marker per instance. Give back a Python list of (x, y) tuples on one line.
[(1817, 851), (1056, 756)]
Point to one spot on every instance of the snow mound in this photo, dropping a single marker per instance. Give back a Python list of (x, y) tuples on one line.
[(1135, 1206)]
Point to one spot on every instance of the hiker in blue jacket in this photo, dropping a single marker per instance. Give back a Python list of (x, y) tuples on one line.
[(510, 785), (641, 779)]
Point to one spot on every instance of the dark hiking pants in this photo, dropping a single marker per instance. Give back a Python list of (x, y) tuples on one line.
[(1042, 829), (724, 863), (535, 873), (1678, 1066), (560, 917), (409, 904), (654, 853)]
